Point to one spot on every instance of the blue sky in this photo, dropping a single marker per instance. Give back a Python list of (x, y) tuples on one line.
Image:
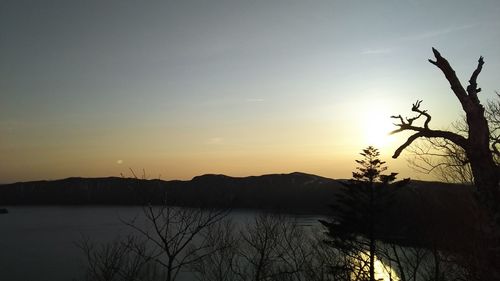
[(181, 88)]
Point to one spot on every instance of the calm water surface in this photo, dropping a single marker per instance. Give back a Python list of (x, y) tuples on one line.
[(38, 243)]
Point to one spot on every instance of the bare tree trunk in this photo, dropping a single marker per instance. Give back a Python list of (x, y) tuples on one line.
[(477, 148), (372, 232), (372, 258), (437, 263), (484, 169)]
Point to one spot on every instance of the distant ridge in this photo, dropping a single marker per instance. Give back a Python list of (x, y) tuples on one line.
[(296, 192), (292, 174), (293, 192)]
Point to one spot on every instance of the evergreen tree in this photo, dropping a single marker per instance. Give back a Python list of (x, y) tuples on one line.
[(356, 222)]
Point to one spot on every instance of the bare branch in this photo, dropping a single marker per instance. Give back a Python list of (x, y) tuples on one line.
[(416, 108), (408, 124), (424, 131), (457, 139), (451, 76), (472, 89), (400, 119)]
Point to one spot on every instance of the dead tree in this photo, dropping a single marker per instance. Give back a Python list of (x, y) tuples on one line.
[(476, 146), (447, 161)]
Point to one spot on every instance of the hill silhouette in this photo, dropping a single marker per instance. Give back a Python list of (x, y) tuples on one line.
[(421, 210), (297, 192), (294, 192)]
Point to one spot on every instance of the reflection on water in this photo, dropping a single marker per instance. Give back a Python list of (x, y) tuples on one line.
[(383, 272)]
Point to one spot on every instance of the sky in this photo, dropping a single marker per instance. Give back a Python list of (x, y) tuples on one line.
[(182, 88)]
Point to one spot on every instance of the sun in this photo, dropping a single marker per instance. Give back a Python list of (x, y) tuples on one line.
[(377, 131), (376, 126)]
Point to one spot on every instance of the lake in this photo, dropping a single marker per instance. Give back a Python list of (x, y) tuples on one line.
[(38, 243)]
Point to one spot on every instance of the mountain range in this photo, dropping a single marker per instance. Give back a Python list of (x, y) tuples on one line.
[(294, 192)]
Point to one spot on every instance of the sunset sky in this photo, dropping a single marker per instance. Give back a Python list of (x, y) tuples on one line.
[(183, 88)]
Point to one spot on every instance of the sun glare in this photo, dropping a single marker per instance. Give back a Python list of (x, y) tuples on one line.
[(376, 127), (382, 272)]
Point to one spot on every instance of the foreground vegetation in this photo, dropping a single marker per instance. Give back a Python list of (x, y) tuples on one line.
[(195, 244)]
